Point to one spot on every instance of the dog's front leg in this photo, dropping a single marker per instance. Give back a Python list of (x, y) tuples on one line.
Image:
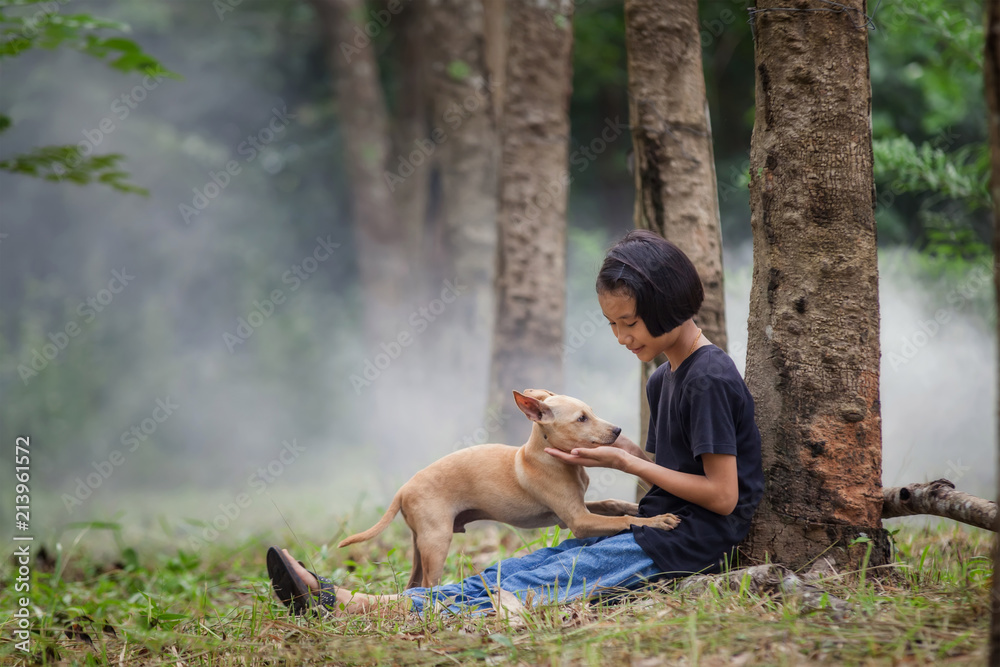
[(574, 512), (587, 524), (612, 507)]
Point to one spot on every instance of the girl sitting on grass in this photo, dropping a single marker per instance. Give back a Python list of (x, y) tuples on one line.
[(705, 467)]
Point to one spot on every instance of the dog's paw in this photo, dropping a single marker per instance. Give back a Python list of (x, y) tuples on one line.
[(664, 521)]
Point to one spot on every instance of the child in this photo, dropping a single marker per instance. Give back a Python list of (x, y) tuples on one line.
[(706, 465)]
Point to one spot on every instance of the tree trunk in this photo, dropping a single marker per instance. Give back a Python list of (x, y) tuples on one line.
[(381, 256), (463, 119), (378, 184), (410, 131), (813, 355), (495, 51), (991, 71), (674, 164), (531, 246)]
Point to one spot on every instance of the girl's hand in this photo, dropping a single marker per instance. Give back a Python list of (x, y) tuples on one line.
[(606, 456), (626, 444)]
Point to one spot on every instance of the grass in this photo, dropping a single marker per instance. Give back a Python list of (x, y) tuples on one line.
[(214, 607)]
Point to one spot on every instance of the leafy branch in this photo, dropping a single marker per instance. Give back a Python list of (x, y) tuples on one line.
[(29, 24), (960, 175), (65, 163)]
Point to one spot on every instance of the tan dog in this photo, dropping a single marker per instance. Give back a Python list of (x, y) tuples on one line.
[(521, 486)]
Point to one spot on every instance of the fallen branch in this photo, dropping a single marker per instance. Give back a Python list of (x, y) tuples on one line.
[(940, 499)]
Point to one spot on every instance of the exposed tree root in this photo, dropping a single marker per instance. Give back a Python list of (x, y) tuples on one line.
[(940, 499), (771, 579)]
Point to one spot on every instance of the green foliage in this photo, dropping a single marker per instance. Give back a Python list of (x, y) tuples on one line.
[(65, 163), (459, 70), (29, 24), (927, 67), (47, 28), (953, 243), (929, 120), (961, 175)]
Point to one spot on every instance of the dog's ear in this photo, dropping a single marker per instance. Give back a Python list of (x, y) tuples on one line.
[(540, 394), (532, 408)]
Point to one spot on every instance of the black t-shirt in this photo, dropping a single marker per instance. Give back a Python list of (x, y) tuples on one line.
[(702, 408)]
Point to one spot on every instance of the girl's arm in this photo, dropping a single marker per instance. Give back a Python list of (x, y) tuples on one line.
[(717, 490)]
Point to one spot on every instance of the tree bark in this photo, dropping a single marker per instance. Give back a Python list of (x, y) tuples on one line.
[(495, 50), (410, 131), (991, 75), (467, 166), (813, 355), (940, 499), (675, 181), (531, 247), (382, 260)]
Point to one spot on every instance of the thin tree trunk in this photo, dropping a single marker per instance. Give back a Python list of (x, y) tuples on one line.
[(674, 164), (410, 132), (531, 247), (463, 120), (813, 356), (991, 71), (383, 256), (495, 50), (382, 260)]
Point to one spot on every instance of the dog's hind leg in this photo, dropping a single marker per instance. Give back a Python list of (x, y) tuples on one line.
[(433, 547), (418, 568)]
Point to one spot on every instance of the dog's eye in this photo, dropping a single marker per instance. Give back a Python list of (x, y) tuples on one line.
[(582, 418)]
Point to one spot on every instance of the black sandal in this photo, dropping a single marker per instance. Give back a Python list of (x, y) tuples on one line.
[(294, 592)]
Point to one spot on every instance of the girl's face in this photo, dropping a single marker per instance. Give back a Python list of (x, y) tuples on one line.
[(630, 330)]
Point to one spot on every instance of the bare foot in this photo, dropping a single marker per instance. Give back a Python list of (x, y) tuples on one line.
[(307, 578)]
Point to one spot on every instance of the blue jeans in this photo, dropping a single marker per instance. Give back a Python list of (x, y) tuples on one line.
[(575, 569)]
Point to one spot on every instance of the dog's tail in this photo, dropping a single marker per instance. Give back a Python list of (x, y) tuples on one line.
[(390, 514)]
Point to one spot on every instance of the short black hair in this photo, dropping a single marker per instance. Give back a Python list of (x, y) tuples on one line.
[(658, 275)]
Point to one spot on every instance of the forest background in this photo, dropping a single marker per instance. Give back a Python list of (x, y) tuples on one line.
[(157, 293)]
